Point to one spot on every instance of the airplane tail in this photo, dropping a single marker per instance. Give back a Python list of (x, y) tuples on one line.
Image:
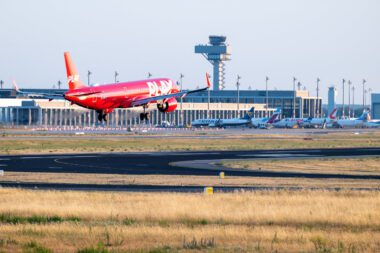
[(15, 87), (72, 74), (333, 113), (250, 113), (275, 115), (365, 116)]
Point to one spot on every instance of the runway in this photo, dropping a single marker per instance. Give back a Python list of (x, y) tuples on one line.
[(169, 163)]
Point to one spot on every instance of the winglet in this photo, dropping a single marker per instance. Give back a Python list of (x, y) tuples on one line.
[(15, 86), (208, 81), (333, 114)]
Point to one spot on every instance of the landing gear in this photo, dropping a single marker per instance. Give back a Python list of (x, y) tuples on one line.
[(102, 116), (145, 115)]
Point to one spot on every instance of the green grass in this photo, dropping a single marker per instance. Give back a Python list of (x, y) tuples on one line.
[(33, 247), (35, 219)]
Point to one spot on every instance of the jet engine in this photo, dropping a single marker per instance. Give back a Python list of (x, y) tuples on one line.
[(168, 106)]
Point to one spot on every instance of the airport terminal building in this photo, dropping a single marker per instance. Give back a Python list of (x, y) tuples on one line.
[(223, 104), (375, 105)]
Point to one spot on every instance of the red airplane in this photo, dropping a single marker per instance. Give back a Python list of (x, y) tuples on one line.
[(105, 98)]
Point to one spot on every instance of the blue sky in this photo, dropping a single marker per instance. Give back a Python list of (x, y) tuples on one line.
[(329, 39)]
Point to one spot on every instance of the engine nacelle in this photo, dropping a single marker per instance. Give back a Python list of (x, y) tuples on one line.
[(168, 106)]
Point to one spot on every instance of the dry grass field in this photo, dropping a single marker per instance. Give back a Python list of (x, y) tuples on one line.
[(354, 166), (74, 144), (305, 221)]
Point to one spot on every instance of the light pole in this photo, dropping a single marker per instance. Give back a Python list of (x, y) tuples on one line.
[(353, 101), (364, 81), (208, 98), (318, 80), (181, 76), (59, 84), (294, 97), (89, 73), (266, 96), (369, 101), (343, 81), (116, 75), (349, 98), (238, 93), (1, 84)]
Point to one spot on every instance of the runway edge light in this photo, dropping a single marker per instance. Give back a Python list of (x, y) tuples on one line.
[(209, 190)]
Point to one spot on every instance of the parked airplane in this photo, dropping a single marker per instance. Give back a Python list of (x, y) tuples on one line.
[(105, 98), (372, 124), (266, 122), (245, 121), (319, 122), (353, 123), (287, 123)]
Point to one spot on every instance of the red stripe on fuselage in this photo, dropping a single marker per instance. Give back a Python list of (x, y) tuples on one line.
[(120, 95)]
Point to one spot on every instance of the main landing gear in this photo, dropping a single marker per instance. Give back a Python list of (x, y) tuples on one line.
[(102, 116), (145, 115)]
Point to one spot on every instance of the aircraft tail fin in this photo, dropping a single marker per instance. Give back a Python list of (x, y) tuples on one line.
[(333, 113), (275, 115), (250, 113), (364, 116), (72, 73), (15, 87)]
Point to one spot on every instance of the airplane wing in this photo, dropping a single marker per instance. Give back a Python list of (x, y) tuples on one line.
[(182, 94), (49, 96)]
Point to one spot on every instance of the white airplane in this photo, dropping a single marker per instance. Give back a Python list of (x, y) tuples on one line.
[(319, 122), (372, 124), (287, 123), (266, 122), (353, 123), (225, 122)]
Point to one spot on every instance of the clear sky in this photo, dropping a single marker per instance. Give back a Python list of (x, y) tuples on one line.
[(329, 39)]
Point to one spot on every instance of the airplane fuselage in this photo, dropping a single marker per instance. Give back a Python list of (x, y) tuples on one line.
[(120, 95), (350, 123)]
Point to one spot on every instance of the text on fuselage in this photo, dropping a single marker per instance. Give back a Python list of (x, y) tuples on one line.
[(162, 88)]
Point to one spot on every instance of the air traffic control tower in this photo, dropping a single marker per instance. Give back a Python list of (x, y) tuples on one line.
[(216, 52)]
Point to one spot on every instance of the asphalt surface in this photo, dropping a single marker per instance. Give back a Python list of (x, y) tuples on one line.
[(168, 163)]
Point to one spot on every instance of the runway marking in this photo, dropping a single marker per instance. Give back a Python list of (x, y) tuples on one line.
[(81, 165), (34, 157), (57, 157), (4, 159), (277, 155), (3, 165), (183, 154), (80, 156)]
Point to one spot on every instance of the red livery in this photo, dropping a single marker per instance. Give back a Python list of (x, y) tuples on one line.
[(105, 98)]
